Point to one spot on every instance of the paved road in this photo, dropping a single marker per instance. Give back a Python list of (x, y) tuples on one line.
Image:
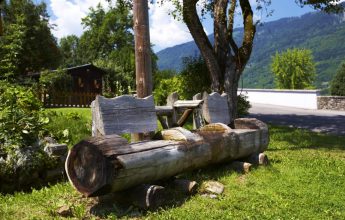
[(316, 120)]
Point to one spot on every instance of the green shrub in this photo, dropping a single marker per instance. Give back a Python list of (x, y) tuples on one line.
[(20, 117), (338, 82), (294, 69), (193, 79), (56, 81), (243, 105), (22, 158)]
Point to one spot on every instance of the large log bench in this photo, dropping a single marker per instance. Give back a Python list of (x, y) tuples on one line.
[(108, 163)]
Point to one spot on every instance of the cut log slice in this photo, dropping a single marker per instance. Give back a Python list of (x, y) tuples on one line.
[(88, 169)]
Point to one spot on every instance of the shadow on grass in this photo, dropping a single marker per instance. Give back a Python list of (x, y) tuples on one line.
[(326, 124), (172, 197)]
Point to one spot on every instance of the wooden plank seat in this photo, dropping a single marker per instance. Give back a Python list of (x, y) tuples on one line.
[(214, 109), (123, 114)]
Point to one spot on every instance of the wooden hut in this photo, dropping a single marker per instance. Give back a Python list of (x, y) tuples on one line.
[(87, 84)]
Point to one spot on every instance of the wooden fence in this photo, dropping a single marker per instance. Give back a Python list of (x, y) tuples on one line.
[(68, 99)]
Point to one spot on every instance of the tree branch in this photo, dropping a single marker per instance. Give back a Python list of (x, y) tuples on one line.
[(221, 42), (248, 36), (231, 14), (191, 18)]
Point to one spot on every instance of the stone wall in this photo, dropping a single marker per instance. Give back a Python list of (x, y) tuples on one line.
[(331, 103)]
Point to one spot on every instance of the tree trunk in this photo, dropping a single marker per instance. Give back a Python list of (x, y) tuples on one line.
[(108, 164), (143, 64), (230, 87)]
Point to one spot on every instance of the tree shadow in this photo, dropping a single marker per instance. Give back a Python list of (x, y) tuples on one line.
[(324, 124)]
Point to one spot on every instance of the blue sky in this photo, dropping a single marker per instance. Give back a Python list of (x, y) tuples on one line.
[(165, 31)]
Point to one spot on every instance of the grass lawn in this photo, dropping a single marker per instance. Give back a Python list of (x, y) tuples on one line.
[(305, 180)]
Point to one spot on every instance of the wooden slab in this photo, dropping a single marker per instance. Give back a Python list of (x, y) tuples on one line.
[(187, 103), (123, 114), (215, 108)]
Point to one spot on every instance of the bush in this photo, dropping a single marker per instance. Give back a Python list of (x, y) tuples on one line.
[(193, 79), (294, 69), (22, 158), (338, 82), (243, 105), (56, 81), (20, 117)]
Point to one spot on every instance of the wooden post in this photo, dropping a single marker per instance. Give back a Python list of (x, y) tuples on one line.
[(197, 114), (143, 65)]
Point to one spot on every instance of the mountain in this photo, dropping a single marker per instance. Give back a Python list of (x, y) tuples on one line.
[(322, 33)]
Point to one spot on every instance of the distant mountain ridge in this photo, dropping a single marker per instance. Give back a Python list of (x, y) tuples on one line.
[(323, 33)]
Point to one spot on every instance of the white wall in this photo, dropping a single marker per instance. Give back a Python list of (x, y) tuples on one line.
[(306, 99)]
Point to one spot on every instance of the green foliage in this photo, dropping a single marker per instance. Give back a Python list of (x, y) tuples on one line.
[(338, 82), (28, 44), (69, 51), (193, 79), (11, 49), (106, 31), (243, 105), (20, 117), (56, 81), (293, 69), (68, 125)]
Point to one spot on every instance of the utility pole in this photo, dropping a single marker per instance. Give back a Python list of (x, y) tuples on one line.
[(143, 64)]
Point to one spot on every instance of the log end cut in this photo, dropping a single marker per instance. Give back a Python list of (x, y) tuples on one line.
[(88, 170)]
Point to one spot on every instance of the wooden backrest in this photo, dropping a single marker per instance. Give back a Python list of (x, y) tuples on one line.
[(123, 114), (215, 108)]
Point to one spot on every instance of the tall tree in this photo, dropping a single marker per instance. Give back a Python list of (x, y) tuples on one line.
[(69, 51), (338, 83), (38, 48), (106, 31), (226, 59), (294, 69)]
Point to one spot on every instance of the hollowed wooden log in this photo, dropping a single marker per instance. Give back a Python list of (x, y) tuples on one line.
[(108, 164)]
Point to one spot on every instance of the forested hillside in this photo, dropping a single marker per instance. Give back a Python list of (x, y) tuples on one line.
[(322, 33)]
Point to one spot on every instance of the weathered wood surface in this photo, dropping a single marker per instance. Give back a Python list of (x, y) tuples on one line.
[(198, 121), (257, 159), (186, 186), (108, 164), (188, 103), (143, 64), (241, 167), (123, 114), (215, 108)]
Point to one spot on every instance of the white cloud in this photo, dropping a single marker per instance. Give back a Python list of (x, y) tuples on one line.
[(165, 31), (67, 15)]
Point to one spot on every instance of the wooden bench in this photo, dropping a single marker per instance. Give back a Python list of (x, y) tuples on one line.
[(123, 114), (108, 163)]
